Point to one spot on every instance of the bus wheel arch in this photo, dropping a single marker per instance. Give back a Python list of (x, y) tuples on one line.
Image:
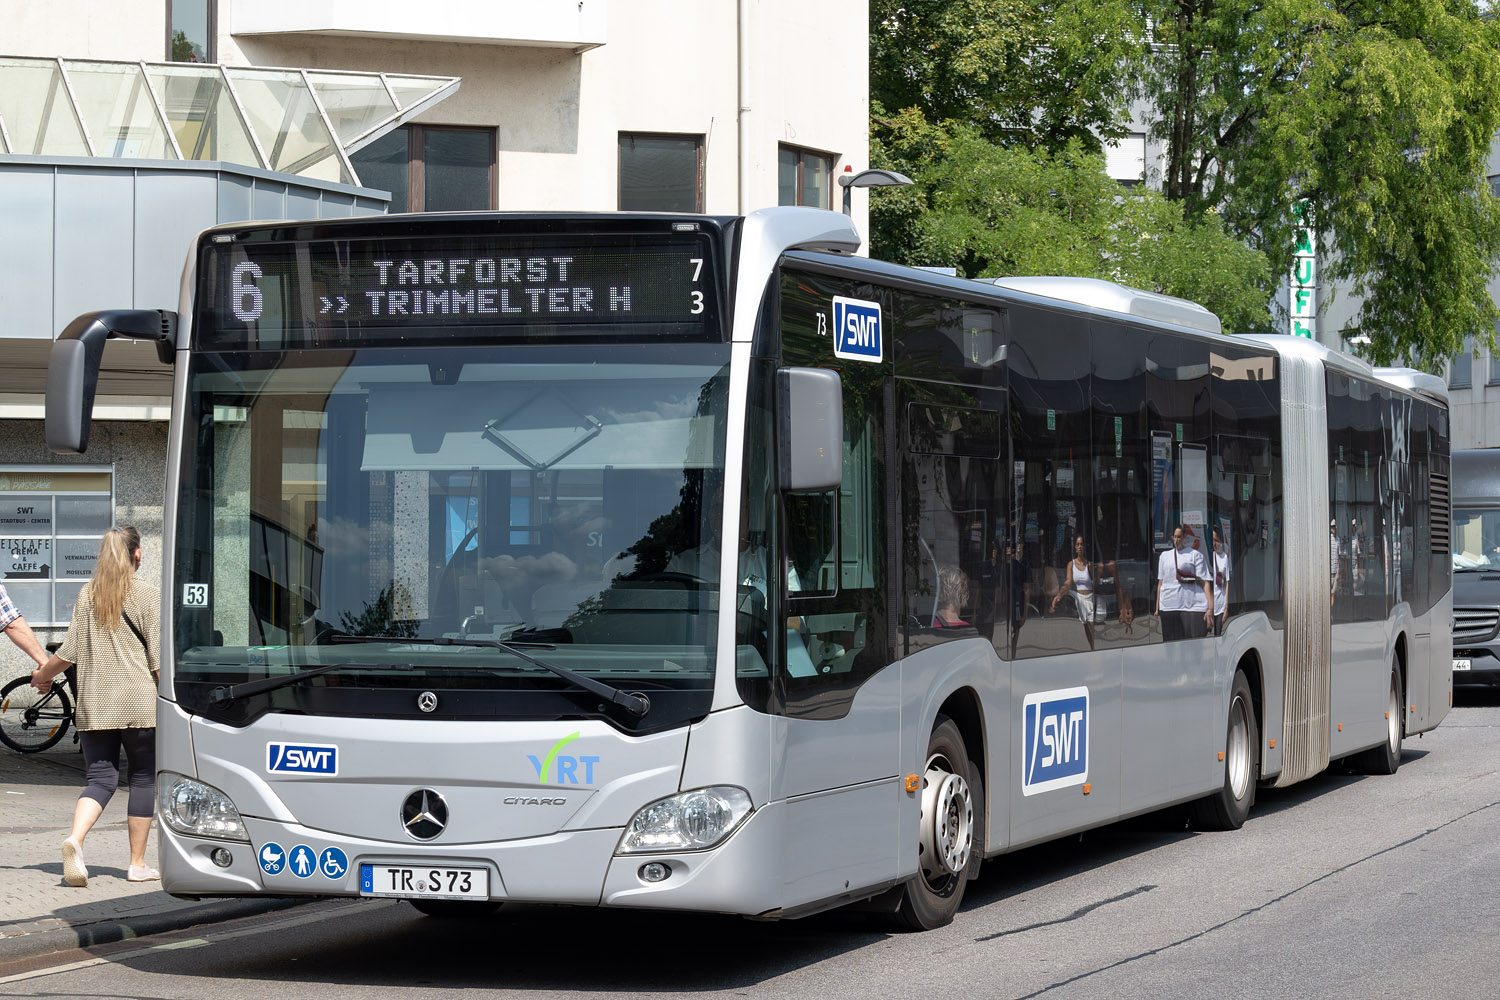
[(1385, 757), (952, 800), (1229, 806), (1250, 666), (963, 709)]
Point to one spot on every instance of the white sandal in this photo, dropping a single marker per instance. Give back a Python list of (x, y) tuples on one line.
[(75, 872), (141, 873)]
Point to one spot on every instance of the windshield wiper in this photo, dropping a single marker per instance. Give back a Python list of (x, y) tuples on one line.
[(232, 692), (634, 702)]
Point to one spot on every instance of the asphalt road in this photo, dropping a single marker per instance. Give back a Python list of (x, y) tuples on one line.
[(1344, 886)]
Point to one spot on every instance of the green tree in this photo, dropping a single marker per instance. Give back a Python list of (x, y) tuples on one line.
[(1377, 116), (1020, 71), (991, 210)]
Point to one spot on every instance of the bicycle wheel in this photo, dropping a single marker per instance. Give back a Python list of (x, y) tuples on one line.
[(32, 722)]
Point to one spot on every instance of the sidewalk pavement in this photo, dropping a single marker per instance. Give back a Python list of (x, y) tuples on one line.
[(39, 913)]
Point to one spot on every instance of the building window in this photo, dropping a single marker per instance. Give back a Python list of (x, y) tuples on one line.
[(432, 168), (51, 521), (1125, 159), (1461, 375), (803, 178), (191, 28), (1494, 378), (1494, 180), (661, 173)]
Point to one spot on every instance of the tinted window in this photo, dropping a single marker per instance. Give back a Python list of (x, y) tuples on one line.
[(1246, 478), (948, 341), (1121, 476), (952, 512), (835, 582), (1177, 390), (1051, 442)]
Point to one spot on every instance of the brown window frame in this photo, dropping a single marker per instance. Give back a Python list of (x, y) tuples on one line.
[(803, 152), (416, 163)]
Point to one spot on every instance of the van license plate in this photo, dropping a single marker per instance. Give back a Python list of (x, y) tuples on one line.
[(424, 882), (1462, 664)]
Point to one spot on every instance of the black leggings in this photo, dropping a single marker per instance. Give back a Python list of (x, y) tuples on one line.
[(101, 754)]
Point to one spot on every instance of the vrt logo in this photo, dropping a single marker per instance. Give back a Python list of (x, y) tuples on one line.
[(1054, 740), (567, 767)]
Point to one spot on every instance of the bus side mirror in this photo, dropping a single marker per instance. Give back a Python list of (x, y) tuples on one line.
[(73, 368), (810, 430)]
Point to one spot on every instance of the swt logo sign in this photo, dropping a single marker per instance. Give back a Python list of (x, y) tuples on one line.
[(302, 758), (856, 329), (1054, 740), (566, 770)]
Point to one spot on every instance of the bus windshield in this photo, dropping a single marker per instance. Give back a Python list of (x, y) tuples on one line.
[(341, 507), (1476, 538)]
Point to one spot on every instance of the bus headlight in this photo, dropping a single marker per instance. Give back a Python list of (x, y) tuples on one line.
[(690, 821), (199, 810)]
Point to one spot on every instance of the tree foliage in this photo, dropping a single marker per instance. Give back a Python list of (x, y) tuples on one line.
[(990, 210), (1019, 71), (1378, 116)]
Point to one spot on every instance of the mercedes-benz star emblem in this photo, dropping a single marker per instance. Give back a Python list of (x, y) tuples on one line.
[(424, 814), (427, 701)]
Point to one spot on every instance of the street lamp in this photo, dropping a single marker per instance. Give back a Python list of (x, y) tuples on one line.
[(869, 178)]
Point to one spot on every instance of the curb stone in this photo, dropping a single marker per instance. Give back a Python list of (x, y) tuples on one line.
[(18, 942)]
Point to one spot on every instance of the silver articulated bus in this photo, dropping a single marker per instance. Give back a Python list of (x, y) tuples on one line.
[(696, 563)]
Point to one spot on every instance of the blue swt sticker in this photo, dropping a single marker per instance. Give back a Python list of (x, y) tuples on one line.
[(302, 758), (856, 329), (1054, 740)]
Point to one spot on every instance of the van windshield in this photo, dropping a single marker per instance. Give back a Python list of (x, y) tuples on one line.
[(1476, 539)]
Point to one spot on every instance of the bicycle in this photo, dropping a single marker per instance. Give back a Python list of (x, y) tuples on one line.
[(31, 722)]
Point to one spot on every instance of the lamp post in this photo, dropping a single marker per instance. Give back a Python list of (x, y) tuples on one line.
[(868, 178)]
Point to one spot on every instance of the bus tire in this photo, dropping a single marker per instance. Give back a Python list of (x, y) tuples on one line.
[(1385, 758), (1228, 808), (455, 908), (947, 846)]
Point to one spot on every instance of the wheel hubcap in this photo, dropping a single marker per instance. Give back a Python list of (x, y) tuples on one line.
[(1393, 721), (947, 821), (1237, 755)]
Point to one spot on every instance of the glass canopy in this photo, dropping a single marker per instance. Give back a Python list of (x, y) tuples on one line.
[(295, 121)]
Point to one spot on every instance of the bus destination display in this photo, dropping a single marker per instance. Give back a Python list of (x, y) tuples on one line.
[(365, 287)]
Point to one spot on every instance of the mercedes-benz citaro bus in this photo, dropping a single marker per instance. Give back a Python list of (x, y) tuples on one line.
[(697, 563)]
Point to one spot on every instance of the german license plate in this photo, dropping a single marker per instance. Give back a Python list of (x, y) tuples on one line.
[(424, 882), (1463, 663)]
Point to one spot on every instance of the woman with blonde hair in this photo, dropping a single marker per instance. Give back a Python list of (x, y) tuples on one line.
[(114, 637)]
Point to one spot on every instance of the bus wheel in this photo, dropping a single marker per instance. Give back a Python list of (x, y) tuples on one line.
[(947, 848), (459, 908), (1385, 758), (1228, 808)]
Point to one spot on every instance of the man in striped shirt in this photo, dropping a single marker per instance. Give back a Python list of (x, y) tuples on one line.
[(20, 633)]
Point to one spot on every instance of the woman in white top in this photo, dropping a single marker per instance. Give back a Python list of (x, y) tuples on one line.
[(1184, 590), (1083, 578), (1221, 582)]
